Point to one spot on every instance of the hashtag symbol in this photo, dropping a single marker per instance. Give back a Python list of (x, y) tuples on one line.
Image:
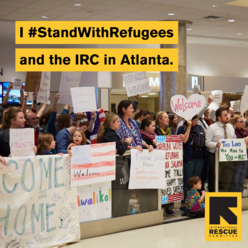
[(32, 32)]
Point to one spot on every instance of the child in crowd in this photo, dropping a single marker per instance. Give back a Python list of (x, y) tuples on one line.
[(77, 139), (45, 144), (194, 202)]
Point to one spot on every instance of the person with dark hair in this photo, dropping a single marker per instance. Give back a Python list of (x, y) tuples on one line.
[(51, 116), (13, 118), (193, 153), (128, 127), (173, 121), (219, 130), (147, 130), (139, 117)]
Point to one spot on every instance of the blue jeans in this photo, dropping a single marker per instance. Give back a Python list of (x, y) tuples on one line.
[(238, 178), (192, 168)]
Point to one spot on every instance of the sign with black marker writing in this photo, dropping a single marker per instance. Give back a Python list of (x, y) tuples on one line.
[(136, 83), (173, 148), (232, 150)]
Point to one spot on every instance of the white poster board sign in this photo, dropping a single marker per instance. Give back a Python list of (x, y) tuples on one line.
[(243, 106), (67, 81), (44, 92), (92, 164), (147, 170), (136, 83), (17, 83), (232, 150), (235, 105), (94, 202), (217, 95), (173, 151), (212, 115), (187, 108), (38, 208), (83, 99), (21, 142), (196, 89)]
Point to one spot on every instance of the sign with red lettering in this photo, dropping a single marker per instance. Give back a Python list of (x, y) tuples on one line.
[(173, 148), (187, 108)]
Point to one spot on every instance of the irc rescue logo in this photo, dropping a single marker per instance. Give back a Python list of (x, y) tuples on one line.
[(223, 217)]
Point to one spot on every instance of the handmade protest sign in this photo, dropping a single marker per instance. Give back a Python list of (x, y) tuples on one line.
[(232, 150), (147, 170), (92, 164), (196, 89), (94, 201), (4, 169), (217, 95), (136, 83), (21, 142), (83, 99), (67, 81), (32, 82), (212, 115), (44, 92), (187, 108), (173, 151), (17, 83), (235, 105), (38, 207)]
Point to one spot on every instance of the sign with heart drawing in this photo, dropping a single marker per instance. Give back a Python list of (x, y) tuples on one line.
[(187, 108)]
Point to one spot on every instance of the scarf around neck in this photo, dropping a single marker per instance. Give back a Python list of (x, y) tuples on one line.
[(150, 137), (161, 131)]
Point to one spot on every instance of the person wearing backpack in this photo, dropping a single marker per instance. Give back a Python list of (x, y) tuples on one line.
[(193, 153)]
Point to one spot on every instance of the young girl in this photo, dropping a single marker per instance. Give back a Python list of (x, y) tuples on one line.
[(45, 144), (77, 139)]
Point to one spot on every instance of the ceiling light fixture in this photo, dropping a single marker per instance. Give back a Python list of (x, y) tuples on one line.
[(189, 29), (144, 96), (239, 33), (214, 6), (151, 93), (171, 13), (77, 4), (44, 16), (231, 20)]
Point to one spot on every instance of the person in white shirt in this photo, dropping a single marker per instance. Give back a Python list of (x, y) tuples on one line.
[(219, 130)]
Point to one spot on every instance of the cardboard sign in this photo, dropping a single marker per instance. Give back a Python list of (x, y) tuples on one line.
[(173, 151), (196, 89), (136, 83), (83, 99), (44, 92), (21, 142), (217, 95), (32, 82), (227, 98), (67, 81), (235, 105), (232, 150), (92, 164), (187, 108), (38, 208), (147, 170), (17, 83), (94, 202), (4, 169)]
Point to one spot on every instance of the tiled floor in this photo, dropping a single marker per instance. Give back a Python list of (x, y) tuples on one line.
[(181, 234)]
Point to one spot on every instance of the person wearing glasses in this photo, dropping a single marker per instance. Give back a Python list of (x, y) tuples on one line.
[(240, 168), (32, 121)]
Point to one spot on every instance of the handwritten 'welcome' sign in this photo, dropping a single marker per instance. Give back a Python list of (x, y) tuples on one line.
[(147, 170), (187, 108), (232, 150)]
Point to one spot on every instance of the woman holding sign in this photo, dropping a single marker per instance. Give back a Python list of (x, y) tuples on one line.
[(240, 169), (193, 153), (13, 118), (128, 127)]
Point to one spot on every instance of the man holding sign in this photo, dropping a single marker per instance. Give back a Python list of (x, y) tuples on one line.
[(219, 130)]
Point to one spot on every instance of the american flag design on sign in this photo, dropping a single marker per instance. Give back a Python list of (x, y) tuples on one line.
[(93, 164), (173, 147)]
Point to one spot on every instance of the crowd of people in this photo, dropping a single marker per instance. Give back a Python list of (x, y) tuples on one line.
[(131, 128)]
